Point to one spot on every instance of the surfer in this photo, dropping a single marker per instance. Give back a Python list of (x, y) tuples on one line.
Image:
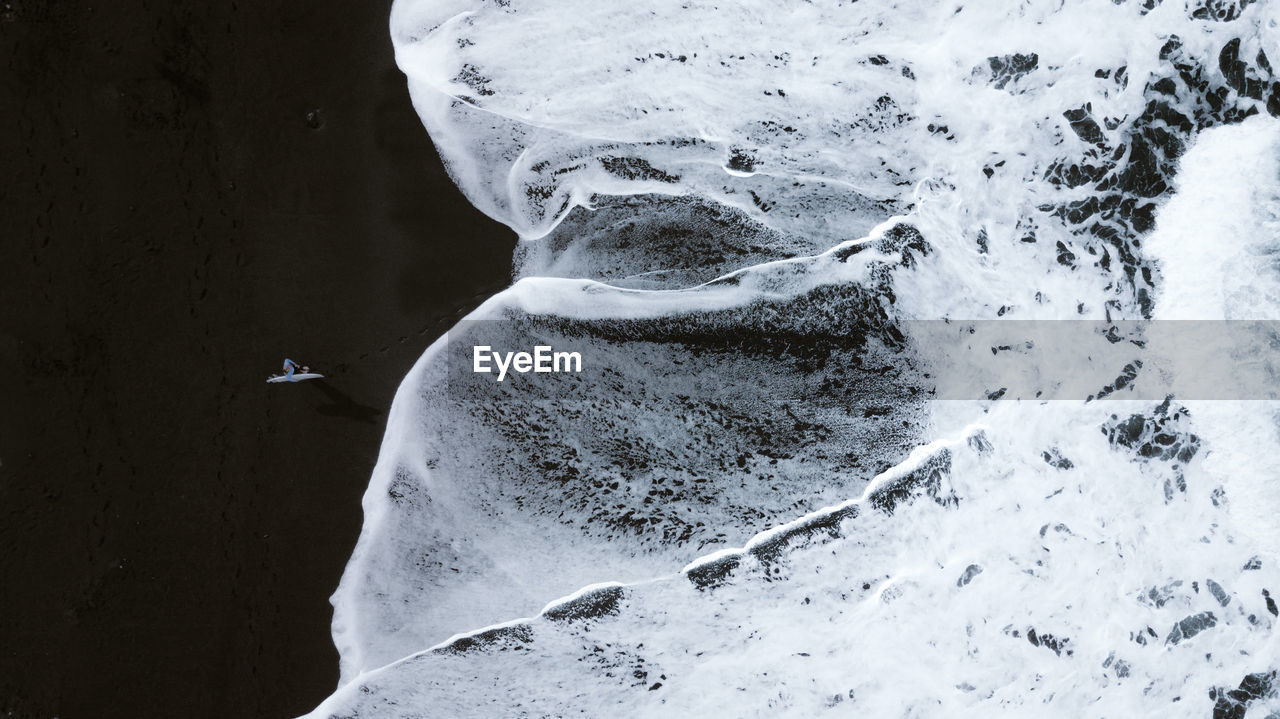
[(294, 372), (290, 367)]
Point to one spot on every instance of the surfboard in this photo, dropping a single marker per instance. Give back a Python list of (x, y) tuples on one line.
[(296, 377)]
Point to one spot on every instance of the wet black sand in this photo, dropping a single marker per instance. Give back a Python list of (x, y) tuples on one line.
[(190, 193)]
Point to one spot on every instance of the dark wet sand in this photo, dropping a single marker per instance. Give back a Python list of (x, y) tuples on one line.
[(192, 192)]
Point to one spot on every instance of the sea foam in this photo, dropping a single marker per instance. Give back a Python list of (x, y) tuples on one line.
[(740, 212)]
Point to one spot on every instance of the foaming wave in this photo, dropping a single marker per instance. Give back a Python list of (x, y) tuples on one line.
[(763, 190)]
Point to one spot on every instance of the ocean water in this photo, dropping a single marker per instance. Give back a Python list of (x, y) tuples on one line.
[(906, 388)]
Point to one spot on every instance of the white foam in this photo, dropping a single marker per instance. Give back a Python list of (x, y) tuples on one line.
[(1218, 239), (1216, 242), (1087, 557), (579, 125)]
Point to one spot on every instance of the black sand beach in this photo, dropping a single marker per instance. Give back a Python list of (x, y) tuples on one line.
[(192, 192)]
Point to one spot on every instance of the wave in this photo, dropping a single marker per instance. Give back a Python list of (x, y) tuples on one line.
[(742, 216)]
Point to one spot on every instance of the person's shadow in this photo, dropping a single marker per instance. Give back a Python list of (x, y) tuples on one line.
[(341, 405)]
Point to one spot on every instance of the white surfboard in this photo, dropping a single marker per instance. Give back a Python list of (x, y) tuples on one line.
[(296, 377)]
